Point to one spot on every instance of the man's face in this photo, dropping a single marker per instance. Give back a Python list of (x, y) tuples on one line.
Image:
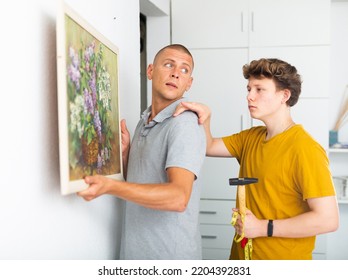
[(170, 74)]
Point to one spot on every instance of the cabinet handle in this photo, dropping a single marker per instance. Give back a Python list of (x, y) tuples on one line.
[(242, 21), (252, 21), (209, 236), (208, 212)]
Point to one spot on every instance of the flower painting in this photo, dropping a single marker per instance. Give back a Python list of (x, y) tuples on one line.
[(88, 103)]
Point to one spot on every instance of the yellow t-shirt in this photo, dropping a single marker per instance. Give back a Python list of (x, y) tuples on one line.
[(291, 167)]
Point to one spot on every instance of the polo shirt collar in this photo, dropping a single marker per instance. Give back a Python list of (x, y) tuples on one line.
[(166, 113)]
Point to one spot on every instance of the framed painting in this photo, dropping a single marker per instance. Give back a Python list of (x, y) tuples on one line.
[(88, 103)]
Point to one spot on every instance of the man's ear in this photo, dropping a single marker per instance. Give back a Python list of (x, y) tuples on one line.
[(189, 84), (149, 71)]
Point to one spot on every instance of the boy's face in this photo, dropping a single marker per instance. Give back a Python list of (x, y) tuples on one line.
[(264, 99), (171, 74)]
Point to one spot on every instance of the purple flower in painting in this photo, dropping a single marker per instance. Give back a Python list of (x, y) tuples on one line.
[(74, 57), (97, 125), (92, 85), (89, 51), (99, 164), (106, 153), (74, 75), (73, 69), (89, 108), (102, 156), (87, 66), (101, 161)]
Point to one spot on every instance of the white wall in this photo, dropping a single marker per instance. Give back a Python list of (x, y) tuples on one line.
[(157, 14), (337, 245), (339, 61), (36, 222)]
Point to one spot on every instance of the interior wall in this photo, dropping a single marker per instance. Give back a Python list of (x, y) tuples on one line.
[(36, 221), (337, 241), (157, 14), (339, 62)]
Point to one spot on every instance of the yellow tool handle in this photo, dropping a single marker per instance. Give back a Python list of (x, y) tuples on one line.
[(241, 200), (242, 212)]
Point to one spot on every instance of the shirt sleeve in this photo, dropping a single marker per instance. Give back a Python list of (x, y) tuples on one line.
[(187, 144), (314, 175)]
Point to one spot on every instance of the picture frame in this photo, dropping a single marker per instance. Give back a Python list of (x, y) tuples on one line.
[(88, 102)]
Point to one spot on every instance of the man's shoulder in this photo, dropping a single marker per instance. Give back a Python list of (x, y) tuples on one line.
[(186, 116)]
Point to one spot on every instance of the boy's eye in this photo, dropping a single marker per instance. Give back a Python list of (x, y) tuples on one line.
[(168, 65), (184, 71)]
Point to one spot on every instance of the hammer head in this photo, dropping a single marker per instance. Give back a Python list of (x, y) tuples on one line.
[(242, 181)]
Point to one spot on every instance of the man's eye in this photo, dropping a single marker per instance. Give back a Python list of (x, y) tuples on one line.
[(184, 71), (168, 65)]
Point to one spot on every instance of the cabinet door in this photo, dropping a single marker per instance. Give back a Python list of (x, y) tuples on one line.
[(217, 236), (210, 24), (289, 22), (218, 82), (312, 63), (216, 211), (215, 254)]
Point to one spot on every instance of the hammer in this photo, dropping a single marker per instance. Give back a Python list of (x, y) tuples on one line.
[(241, 182)]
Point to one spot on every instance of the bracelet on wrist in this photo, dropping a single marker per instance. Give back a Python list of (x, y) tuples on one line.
[(270, 228)]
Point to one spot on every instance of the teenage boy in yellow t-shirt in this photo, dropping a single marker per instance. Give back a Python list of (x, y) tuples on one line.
[(294, 199)]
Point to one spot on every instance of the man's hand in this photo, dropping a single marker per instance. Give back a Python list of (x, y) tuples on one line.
[(125, 139), (98, 185)]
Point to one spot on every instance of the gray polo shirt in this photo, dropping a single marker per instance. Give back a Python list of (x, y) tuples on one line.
[(164, 142)]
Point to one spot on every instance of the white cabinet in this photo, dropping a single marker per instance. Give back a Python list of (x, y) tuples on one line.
[(289, 22), (339, 168), (218, 81), (320, 250), (216, 229), (223, 35), (256, 23), (210, 24), (338, 241)]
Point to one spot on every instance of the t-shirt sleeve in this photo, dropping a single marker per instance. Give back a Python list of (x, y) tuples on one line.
[(235, 143), (314, 175), (187, 144)]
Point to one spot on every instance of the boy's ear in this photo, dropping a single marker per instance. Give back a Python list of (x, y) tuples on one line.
[(286, 95)]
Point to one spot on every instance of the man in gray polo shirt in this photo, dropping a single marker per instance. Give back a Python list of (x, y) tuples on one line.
[(162, 169)]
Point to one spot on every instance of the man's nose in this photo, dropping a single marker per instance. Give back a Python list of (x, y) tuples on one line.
[(175, 73)]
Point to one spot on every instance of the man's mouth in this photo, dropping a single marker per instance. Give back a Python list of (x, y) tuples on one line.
[(171, 85)]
